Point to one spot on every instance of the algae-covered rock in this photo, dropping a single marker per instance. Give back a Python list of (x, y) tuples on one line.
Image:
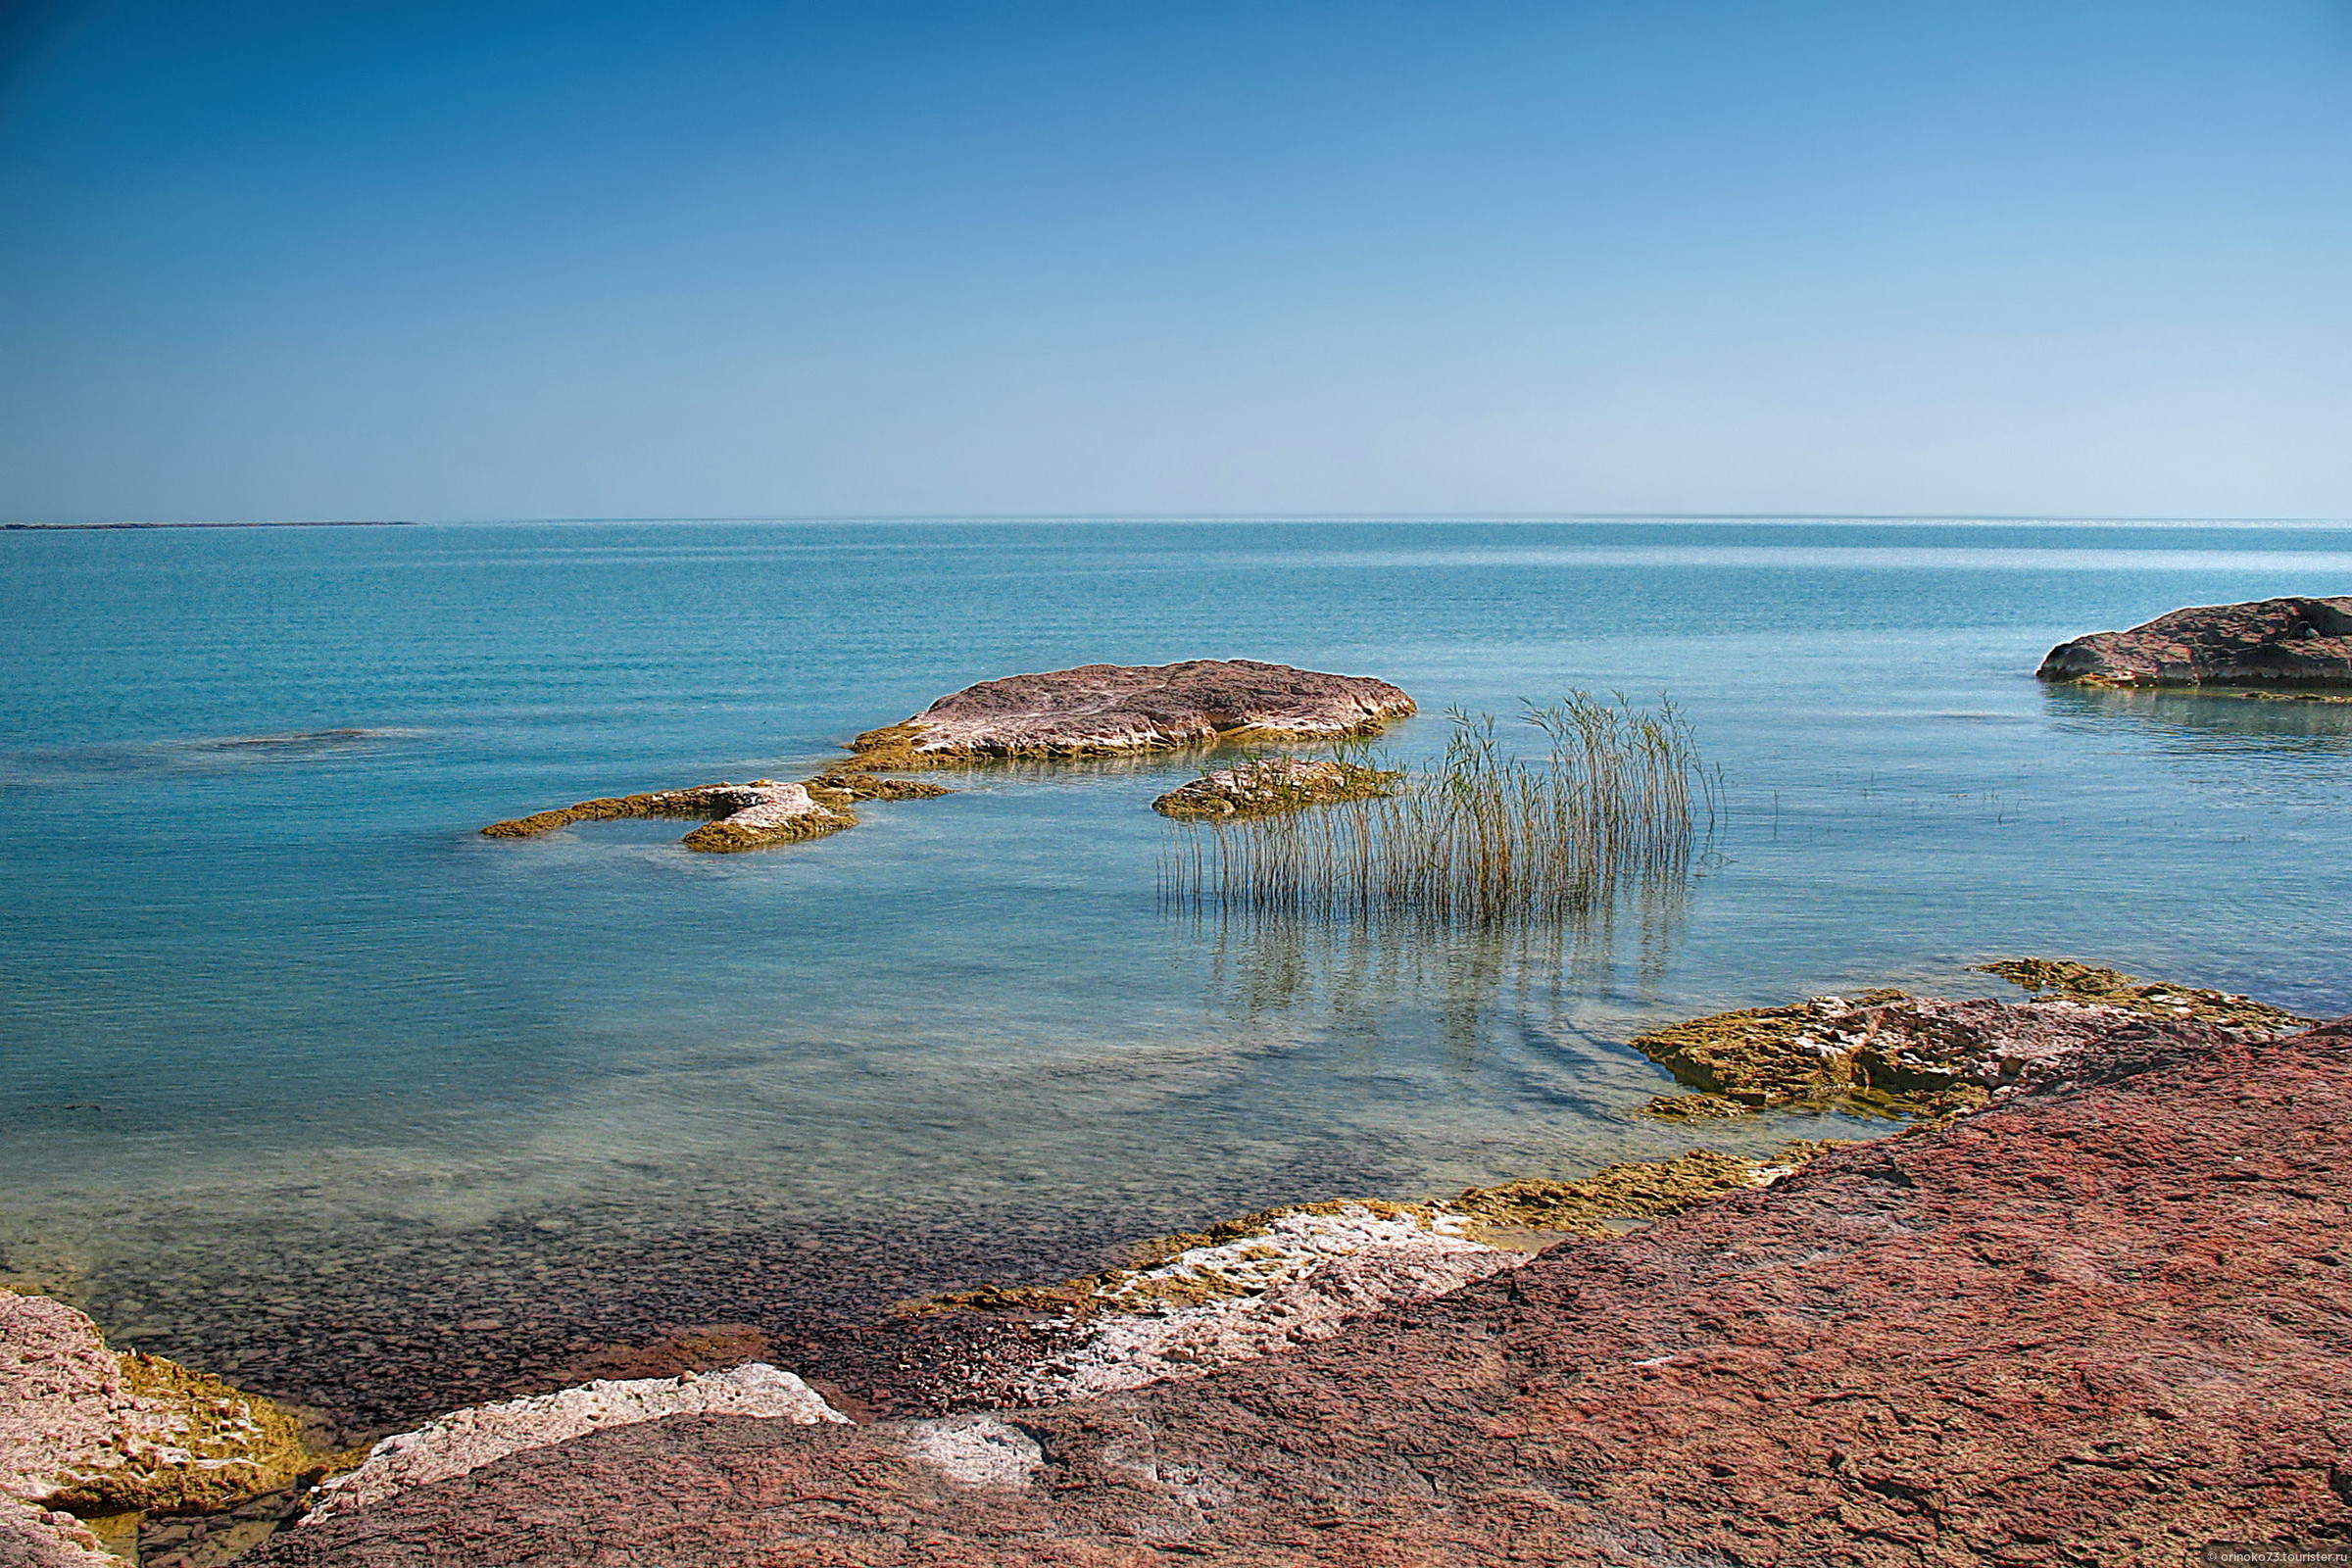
[(1887, 1054), (2111, 988), (1610, 1200), (1274, 784), (748, 816), (95, 1431)]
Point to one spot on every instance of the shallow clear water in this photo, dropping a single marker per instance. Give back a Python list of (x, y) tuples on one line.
[(260, 971)]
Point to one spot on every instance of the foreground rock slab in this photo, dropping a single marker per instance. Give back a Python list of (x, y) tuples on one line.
[(2106, 1320), (1106, 709), (2272, 642), (466, 1440)]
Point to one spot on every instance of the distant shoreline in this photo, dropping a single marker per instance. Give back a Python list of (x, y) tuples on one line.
[(359, 524)]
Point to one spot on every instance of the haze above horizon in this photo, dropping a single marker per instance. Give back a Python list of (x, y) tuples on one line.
[(529, 260)]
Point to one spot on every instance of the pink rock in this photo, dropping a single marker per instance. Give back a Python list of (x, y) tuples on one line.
[(1104, 709), (2269, 643)]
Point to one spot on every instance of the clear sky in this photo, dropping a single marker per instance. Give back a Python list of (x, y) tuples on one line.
[(562, 258)]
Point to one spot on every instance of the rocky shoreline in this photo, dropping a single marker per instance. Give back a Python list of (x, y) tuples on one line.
[(1193, 1312), (2103, 1320)]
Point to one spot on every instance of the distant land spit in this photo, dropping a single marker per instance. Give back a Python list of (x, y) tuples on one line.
[(321, 523)]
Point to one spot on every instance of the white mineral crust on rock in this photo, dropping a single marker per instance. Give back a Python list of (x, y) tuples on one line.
[(976, 1451), (1299, 1280), (483, 1434)]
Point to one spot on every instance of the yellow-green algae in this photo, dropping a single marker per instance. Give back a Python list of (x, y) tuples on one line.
[(214, 1447), (2067, 980), (1516, 1214), (833, 792), (1757, 1056)]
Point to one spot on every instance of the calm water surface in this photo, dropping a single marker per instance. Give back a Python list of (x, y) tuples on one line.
[(257, 967)]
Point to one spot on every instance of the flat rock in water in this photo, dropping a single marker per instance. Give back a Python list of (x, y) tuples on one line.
[(2105, 1321), (1272, 784), (1103, 709), (2272, 642)]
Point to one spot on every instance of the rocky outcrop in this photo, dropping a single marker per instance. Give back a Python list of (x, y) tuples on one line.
[(1106, 709), (1097, 709), (748, 816), (2272, 642), (466, 1440), (1885, 1053), (1274, 784), (2106, 1320), (90, 1430)]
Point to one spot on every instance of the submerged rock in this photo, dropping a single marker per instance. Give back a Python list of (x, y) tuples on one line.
[(2270, 642), (101, 1432), (1103, 709), (1274, 784)]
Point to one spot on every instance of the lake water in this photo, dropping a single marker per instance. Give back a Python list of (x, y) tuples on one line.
[(260, 979)]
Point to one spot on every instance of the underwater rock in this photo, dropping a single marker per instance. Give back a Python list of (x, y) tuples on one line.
[(1273, 784), (1890, 1053), (97, 1430), (2102, 1321), (464, 1441), (1103, 709), (2267, 643)]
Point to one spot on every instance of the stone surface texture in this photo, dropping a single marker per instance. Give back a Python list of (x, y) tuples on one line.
[(1103, 709), (1272, 784), (86, 1428), (2268, 643), (2103, 1321), (466, 1440), (47, 1538)]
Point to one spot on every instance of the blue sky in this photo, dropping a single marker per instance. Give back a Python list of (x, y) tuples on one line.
[(355, 260)]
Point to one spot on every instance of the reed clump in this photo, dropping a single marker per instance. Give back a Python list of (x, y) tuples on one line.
[(1617, 798)]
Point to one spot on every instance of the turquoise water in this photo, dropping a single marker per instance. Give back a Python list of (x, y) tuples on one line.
[(256, 965)]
